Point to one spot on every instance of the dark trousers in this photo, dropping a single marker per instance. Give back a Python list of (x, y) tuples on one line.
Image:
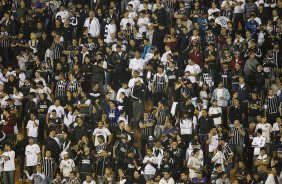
[(271, 118), (238, 17), (9, 177), (158, 96)]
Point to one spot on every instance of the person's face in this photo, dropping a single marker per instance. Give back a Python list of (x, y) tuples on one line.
[(38, 169), (48, 154), (72, 176), (219, 169), (166, 175), (88, 178), (237, 124), (31, 141), (270, 92), (100, 140), (158, 144), (184, 177), (137, 55), (174, 145), (57, 103), (100, 124), (146, 115)]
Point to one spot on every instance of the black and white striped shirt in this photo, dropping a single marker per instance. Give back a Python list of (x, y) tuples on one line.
[(272, 104), (169, 5), (162, 116), (48, 166), (129, 33), (227, 151), (4, 41), (73, 86), (236, 138), (57, 50), (160, 82), (74, 181), (147, 130), (61, 88)]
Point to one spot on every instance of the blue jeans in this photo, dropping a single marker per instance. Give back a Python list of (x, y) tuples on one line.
[(9, 177), (228, 169), (48, 179)]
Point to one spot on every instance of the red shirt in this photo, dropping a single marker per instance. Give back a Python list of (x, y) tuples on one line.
[(233, 62), (9, 127), (197, 57)]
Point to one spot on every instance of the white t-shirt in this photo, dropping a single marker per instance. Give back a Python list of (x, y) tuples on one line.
[(103, 131), (215, 110), (142, 23), (211, 11), (186, 126), (164, 57), (124, 21), (214, 143), (194, 69), (266, 130), (258, 142), (9, 165), (17, 98), (66, 166), (112, 29), (31, 153), (63, 14), (137, 64), (239, 8), (196, 162), (60, 110), (149, 169), (132, 15), (32, 128)]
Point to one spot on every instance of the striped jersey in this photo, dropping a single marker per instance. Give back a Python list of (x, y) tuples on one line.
[(73, 86), (5, 40), (61, 88), (236, 138), (48, 166)]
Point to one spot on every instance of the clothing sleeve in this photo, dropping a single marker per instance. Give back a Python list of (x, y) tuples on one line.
[(228, 150), (37, 149), (72, 164), (108, 132), (215, 157), (88, 102), (270, 179)]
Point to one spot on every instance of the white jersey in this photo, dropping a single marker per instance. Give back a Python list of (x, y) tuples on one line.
[(222, 21)]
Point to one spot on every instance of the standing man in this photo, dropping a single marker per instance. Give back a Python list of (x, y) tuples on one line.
[(160, 85), (271, 107), (61, 87), (222, 95), (236, 141), (49, 166), (93, 25), (228, 154), (9, 165), (137, 63), (138, 95)]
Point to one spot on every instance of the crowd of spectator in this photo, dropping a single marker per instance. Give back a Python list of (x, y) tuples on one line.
[(141, 91)]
